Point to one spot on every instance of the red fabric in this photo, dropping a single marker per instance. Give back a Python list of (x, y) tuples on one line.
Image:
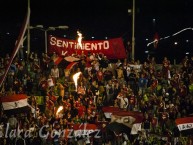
[(100, 75), (112, 48), (137, 115), (156, 39), (110, 109), (71, 65), (17, 46), (57, 60), (154, 121), (12, 98), (184, 120), (81, 110), (53, 98)]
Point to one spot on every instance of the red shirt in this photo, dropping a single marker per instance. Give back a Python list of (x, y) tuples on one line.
[(81, 110), (100, 75), (154, 121)]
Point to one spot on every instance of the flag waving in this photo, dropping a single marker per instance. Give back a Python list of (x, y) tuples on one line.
[(14, 104), (108, 111), (127, 118), (17, 46), (184, 123), (156, 40)]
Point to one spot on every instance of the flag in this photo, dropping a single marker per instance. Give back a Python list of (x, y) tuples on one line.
[(131, 119), (67, 62), (14, 104), (17, 46), (22, 41), (57, 60), (71, 65), (156, 39), (108, 110), (184, 123), (72, 61), (118, 128), (135, 128), (71, 58)]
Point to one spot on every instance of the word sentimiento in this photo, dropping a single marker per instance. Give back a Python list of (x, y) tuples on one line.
[(70, 44)]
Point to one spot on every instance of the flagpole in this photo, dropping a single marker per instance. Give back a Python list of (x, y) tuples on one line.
[(133, 31), (46, 41), (17, 46), (28, 34)]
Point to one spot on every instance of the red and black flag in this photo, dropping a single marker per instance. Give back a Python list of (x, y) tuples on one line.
[(156, 40)]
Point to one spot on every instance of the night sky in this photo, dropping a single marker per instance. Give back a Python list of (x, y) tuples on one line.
[(103, 18)]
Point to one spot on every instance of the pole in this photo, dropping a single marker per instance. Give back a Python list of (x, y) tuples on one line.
[(133, 31), (28, 34), (46, 43)]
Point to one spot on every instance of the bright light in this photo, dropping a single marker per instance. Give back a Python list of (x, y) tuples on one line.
[(40, 26), (79, 39), (146, 39), (106, 37), (75, 78), (175, 43), (187, 53), (65, 36), (63, 27), (146, 51), (129, 11), (7, 33), (59, 109), (52, 28), (187, 41), (92, 37)]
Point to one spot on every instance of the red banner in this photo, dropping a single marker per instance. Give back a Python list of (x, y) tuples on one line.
[(184, 123), (112, 48)]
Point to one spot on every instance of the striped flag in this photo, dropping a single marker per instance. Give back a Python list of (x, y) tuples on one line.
[(67, 62), (71, 65), (184, 123), (57, 60), (19, 42), (108, 110), (156, 40), (14, 104), (131, 119), (71, 58)]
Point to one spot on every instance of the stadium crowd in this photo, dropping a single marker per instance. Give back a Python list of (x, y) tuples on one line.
[(161, 92)]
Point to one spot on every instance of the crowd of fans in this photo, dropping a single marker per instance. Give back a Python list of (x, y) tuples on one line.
[(162, 92)]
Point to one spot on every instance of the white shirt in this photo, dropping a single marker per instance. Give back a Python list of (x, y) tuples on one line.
[(123, 102), (55, 72)]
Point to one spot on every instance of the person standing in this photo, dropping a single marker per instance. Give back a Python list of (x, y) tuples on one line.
[(142, 83), (55, 73)]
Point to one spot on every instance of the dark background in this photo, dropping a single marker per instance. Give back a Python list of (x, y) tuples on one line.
[(103, 18)]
